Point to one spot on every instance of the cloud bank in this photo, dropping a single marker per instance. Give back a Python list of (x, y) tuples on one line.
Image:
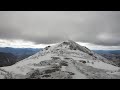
[(47, 27)]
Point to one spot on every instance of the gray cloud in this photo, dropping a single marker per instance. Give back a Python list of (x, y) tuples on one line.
[(101, 28)]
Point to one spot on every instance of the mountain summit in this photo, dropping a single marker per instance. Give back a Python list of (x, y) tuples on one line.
[(65, 60), (74, 46), (71, 47)]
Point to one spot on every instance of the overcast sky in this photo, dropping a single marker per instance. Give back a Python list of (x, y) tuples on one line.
[(94, 29)]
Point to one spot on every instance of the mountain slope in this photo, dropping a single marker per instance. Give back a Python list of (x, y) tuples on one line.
[(9, 56), (66, 60), (20, 53), (111, 55), (7, 59)]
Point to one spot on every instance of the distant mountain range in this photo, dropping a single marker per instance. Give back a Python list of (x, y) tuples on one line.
[(19, 51), (9, 56), (107, 51), (7, 59), (112, 55)]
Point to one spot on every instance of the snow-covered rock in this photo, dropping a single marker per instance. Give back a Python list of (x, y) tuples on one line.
[(65, 60)]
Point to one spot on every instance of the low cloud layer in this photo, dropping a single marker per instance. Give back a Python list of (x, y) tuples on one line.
[(99, 28)]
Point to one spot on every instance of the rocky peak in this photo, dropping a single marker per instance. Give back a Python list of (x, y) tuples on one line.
[(69, 44)]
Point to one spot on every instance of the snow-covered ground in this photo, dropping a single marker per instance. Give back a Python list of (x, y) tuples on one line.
[(69, 52), (102, 65)]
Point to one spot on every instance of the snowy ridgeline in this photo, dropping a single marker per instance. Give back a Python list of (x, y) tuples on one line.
[(66, 60)]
